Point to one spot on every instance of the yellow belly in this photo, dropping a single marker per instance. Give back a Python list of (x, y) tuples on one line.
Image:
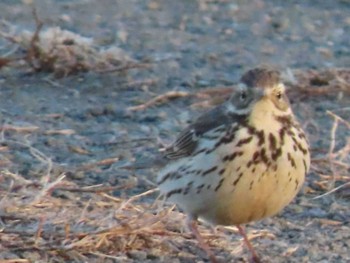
[(257, 197), (253, 192)]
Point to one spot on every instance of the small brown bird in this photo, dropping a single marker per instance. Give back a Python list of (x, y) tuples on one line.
[(240, 162)]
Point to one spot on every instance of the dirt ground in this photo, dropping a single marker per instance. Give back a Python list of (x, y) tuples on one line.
[(66, 132)]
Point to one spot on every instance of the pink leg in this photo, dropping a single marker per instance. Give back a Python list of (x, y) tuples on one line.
[(255, 257), (192, 224)]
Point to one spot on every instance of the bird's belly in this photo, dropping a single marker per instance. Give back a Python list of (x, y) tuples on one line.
[(256, 195)]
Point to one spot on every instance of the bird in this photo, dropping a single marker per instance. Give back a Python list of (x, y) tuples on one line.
[(240, 162)]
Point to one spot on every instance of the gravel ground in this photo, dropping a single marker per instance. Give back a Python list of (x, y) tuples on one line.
[(191, 46)]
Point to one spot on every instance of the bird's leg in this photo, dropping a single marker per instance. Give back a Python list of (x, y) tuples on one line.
[(192, 225), (255, 257)]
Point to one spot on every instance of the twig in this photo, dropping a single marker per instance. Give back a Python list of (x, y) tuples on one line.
[(333, 134), (18, 128), (60, 132), (15, 260), (215, 91), (96, 189), (134, 140), (104, 256), (135, 197), (83, 213), (331, 148), (17, 177), (331, 191), (340, 119), (125, 67), (53, 83), (89, 166), (34, 50), (159, 99), (144, 82), (39, 230), (47, 188)]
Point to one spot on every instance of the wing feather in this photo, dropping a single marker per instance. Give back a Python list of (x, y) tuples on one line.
[(187, 142)]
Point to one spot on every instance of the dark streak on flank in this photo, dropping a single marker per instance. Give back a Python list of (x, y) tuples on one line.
[(192, 172), (178, 176), (166, 177), (273, 142), (228, 138), (276, 154), (256, 155), (250, 163), (210, 170), (238, 178), (295, 148), (172, 192), (260, 134), (282, 134), (300, 147), (244, 141), (198, 152), (251, 185), (305, 166), (291, 160), (264, 157), (296, 184), (184, 168), (221, 172), (188, 188), (219, 184), (261, 137), (301, 135), (232, 156), (199, 188)]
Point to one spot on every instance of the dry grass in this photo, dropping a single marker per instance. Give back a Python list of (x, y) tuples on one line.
[(87, 221), (333, 168), (61, 52)]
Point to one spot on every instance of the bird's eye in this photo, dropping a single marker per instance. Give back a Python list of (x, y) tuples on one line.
[(279, 95), (243, 96)]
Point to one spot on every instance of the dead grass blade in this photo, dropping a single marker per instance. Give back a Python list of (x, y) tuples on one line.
[(159, 99)]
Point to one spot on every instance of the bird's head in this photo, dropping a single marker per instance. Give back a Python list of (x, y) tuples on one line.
[(260, 95)]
